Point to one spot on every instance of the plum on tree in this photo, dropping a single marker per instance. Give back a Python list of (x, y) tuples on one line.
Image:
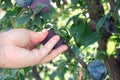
[(23, 3), (35, 3), (51, 33), (97, 70), (109, 25), (92, 26)]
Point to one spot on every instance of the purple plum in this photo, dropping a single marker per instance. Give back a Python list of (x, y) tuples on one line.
[(51, 33), (35, 3), (97, 70), (109, 25), (23, 3), (92, 26)]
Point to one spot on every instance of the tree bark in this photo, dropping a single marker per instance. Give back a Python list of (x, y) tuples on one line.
[(96, 12), (95, 9), (113, 67), (112, 5)]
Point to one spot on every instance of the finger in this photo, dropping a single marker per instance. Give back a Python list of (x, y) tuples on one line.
[(37, 37), (23, 57), (46, 48), (54, 53)]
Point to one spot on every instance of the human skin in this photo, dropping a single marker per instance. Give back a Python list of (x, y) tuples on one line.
[(18, 48)]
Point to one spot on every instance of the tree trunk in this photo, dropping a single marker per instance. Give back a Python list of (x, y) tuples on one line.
[(96, 12), (113, 67), (112, 5)]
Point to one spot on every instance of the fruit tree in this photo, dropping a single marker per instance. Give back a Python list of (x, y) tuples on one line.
[(90, 28)]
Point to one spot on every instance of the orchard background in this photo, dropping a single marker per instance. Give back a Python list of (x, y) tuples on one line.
[(91, 29)]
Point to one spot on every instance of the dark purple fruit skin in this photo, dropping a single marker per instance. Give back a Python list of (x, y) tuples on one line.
[(118, 54), (51, 33), (92, 26), (97, 70), (109, 25), (23, 3), (35, 3)]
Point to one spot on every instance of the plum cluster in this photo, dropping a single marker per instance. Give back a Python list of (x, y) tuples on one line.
[(34, 3), (97, 70), (51, 33), (118, 54), (109, 25)]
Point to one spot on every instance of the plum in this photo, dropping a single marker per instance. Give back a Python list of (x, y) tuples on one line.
[(92, 26), (97, 70), (118, 54), (35, 3), (23, 3), (109, 25), (51, 33)]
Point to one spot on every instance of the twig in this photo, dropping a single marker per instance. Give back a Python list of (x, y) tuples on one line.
[(35, 73), (77, 58)]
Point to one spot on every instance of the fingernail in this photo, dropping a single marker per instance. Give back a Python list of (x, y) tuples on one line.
[(66, 47), (57, 36), (44, 30)]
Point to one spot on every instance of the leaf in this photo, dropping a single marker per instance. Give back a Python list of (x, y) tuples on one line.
[(12, 12), (74, 18), (89, 39), (77, 30), (3, 77), (101, 55), (13, 73), (24, 18), (100, 23), (37, 21)]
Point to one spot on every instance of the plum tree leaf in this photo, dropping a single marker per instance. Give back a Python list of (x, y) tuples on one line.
[(100, 23), (24, 18)]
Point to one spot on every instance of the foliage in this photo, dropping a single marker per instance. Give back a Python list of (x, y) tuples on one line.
[(70, 19)]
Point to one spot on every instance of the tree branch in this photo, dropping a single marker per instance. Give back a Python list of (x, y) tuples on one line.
[(35, 73), (77, 58)]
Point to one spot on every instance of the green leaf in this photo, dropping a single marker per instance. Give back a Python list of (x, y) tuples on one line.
[(13, 73), (89, 39), (24, 18), (100, 23), (77, 30), (74, 19), (101, 55), (3, 77), (12, 12)]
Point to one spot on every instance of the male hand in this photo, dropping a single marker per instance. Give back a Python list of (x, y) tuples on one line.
[(18, 48)]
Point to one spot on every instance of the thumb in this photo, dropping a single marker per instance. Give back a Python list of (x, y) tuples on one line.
[(37, 37)]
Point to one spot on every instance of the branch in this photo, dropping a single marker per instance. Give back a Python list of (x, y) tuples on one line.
[(35, 73), (77, 58)]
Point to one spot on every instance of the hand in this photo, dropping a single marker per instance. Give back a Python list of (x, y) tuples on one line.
[(18, 48)]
